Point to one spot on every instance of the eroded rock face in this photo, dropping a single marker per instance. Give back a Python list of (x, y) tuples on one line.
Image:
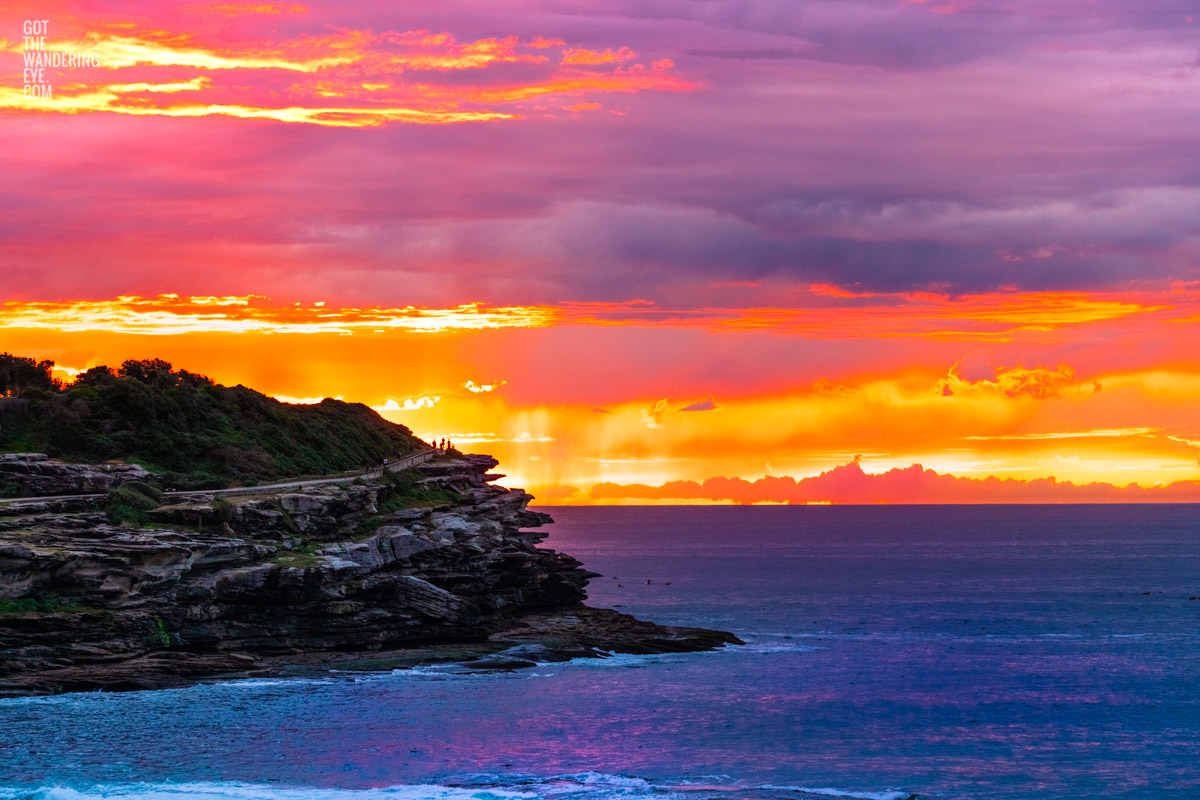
[(214, 584), (38, 475)]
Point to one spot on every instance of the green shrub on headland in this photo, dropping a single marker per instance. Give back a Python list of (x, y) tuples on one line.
[(195, 433), (128, 503), (406, 492), (141, 492)]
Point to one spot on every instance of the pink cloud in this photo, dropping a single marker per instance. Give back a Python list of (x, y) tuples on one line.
[(941, 7), (922, 153), (849, 484)]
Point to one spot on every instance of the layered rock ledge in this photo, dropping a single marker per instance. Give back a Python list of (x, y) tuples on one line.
[(36, 474), (432, 564)]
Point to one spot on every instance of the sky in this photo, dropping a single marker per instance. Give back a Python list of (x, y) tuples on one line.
[(652, 251)]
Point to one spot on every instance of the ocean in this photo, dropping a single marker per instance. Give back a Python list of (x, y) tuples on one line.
[(1004, 652)]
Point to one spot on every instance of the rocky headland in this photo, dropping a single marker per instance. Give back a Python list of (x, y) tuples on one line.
[(136, 588)]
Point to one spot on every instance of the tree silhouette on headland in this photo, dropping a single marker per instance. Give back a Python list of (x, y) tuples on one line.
[(183, 425)]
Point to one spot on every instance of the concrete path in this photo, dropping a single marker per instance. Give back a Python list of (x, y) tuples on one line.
[(407, 462)]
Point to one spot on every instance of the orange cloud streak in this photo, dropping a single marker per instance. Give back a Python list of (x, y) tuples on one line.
[(112, 99), (170, 314), (163, 49), (996, 317), (594, 57), (586, 82), (365, 69)]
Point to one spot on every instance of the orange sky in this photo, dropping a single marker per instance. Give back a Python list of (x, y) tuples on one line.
[(1085, 388), (619, 249)]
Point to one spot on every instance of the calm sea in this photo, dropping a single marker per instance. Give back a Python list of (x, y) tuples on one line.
[(949, 652)]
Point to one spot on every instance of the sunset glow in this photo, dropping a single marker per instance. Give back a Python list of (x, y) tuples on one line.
[(635, 259), (351, 78)]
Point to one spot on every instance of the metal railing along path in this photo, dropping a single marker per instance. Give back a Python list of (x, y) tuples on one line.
[(408, 462)]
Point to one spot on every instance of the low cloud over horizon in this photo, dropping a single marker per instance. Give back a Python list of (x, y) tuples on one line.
[(849, 484)]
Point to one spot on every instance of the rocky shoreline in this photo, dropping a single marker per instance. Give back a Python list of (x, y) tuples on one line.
[(432, 565)]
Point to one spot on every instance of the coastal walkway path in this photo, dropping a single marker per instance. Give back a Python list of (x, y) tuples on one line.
[(399, 465)]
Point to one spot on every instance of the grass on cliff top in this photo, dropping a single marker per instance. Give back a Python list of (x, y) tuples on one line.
[(128, 503), (295, 560), (196, 433), (406, 492), (403, 492), (44, 604)]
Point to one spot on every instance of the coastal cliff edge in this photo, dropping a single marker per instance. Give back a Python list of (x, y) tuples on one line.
[(433, 564)]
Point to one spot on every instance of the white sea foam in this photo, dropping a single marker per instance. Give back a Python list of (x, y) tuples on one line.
[(270, 683), (889, 794), (583, 786), (579, 784), (621, 660), (776, 644), (606, 779), (249, 791)]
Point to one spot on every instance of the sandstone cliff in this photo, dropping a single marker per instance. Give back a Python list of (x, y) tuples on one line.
[(437, 555), (36, 474)]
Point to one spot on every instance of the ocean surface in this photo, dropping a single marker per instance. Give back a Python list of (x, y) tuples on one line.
[(948, 652)]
